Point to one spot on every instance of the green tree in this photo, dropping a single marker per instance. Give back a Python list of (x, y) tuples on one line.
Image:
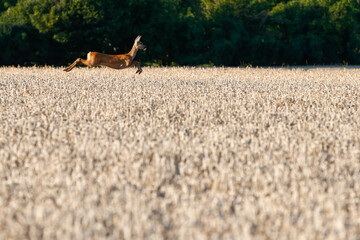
[(223, 32)]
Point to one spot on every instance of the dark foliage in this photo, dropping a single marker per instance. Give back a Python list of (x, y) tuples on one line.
[(194, 32)]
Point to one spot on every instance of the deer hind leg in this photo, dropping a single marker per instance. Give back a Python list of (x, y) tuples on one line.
[(69, 68), (137, 64), (76, 62)]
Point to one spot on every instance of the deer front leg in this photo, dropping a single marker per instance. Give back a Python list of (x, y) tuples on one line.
[(137, 64)]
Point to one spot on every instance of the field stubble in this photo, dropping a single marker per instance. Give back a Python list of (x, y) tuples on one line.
[(180, 153)]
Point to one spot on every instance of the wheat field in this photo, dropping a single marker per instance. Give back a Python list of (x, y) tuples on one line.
[(180, 153)]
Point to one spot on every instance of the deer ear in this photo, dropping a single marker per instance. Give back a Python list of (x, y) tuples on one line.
[(138, 38)]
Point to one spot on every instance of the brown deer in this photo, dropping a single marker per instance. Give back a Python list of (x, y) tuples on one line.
[(113, 61)]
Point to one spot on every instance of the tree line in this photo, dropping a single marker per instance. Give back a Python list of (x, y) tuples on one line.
[(180, 32)]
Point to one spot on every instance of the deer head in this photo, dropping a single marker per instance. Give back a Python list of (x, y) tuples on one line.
[(139, 44)]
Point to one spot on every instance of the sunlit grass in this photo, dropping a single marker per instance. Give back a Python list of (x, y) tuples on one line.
[(180, 153)]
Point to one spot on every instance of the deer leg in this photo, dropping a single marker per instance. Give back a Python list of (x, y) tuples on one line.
[(86, 62), (137, 64), (76, 62), (69, 68)]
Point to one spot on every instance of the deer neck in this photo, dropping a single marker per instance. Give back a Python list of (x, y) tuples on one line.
[(133, 51)]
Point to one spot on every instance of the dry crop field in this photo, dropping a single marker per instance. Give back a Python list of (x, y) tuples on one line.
[(180, 153)]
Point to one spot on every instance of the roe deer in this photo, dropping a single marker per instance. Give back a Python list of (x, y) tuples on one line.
[(113, 61)]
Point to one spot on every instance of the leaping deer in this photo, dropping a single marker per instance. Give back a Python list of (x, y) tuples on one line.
[(113, 61)]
